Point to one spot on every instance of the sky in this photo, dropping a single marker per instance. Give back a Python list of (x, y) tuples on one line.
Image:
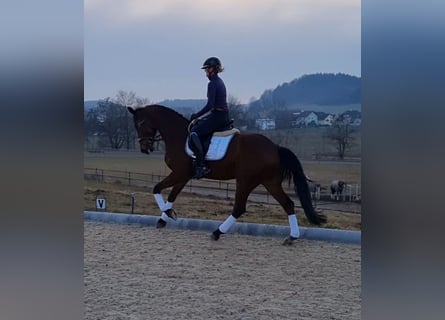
[(156, 48)]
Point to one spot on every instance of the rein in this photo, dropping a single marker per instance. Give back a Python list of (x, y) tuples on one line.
[(191, 124)]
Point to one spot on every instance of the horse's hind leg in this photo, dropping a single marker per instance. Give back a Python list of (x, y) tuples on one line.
[(276, 190), (242, 193)]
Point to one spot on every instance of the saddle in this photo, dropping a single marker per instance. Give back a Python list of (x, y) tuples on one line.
[(215, 147), (226, 127)]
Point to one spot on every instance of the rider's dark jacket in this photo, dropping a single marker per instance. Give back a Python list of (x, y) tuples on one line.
[(216, 96)]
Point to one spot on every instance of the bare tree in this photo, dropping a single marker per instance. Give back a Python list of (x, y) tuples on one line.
[(341, 135), (140, 102), (112, 122), (236, 111), (90, 125), (126, 99)]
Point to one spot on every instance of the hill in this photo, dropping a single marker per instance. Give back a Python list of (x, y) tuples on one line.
[(321, 89), (327, 92), (90, 104)]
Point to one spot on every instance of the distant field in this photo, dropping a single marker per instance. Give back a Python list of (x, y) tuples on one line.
[(321, 171), (328, 108), (127, 161), (307, 142)]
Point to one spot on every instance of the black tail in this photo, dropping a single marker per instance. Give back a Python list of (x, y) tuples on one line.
[(291, 166)]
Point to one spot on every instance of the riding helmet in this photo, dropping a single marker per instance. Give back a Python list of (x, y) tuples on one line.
[(212, 62)]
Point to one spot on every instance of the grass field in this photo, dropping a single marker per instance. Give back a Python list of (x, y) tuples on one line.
[(308, 142), (322, 172)]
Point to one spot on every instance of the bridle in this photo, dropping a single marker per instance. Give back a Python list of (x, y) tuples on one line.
[(150, 140), (157, 137)]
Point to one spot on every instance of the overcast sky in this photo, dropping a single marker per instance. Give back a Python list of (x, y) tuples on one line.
[(156, 47)]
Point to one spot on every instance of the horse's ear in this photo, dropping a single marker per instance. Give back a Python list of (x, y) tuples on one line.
[(131, 110)]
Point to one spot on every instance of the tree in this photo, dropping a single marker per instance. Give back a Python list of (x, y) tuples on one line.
[(90, 125), (126, 99), (341, 135), (236, 111), (140, 102), (112, 123), (130, 99), (283, 118)]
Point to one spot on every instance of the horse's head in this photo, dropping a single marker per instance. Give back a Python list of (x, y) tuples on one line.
[(146, 133)]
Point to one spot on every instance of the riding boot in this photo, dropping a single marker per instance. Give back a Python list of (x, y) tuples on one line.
[(200, 168)]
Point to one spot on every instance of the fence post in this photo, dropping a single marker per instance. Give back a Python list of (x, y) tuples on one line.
[(133, 201), (129, 178)]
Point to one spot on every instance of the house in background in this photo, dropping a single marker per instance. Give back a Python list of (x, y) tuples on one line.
[(305, 119), (353, 117), (265, 124), (326, 119)]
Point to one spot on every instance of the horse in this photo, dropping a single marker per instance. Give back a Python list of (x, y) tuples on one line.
[(337, 188), (315, 190), (251, 159)]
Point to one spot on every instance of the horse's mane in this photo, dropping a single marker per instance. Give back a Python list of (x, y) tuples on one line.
[(166, 109)]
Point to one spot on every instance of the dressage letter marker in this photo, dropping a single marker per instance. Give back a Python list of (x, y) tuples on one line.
[(101, 203)]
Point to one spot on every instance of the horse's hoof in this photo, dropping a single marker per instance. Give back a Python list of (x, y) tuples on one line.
[(161, 224), (289, 241), (215, 235), (171, 214)]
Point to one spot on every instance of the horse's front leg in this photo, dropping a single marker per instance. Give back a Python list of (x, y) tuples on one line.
[(167, 207)]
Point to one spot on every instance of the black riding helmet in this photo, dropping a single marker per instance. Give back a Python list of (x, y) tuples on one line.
[(212, 62)]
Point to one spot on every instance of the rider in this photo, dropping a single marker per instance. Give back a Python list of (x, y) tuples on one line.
[(212, 116)]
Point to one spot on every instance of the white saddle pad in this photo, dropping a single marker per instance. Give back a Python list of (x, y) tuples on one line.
[(217, 149)]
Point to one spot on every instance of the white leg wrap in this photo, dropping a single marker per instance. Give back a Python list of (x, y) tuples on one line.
[(226, 225), (160, 201), (163, 206), (164, 216), (168, 205), (294, 230)]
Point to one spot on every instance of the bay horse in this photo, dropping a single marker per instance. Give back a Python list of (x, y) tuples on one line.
[(251, 159)]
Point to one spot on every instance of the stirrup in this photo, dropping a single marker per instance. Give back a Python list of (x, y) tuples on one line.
[(201, 172)]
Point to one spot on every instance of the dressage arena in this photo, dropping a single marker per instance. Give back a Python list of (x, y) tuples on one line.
[(137, 272)]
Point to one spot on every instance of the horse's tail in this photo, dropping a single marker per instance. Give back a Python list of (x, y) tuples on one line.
[(291, 166)]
